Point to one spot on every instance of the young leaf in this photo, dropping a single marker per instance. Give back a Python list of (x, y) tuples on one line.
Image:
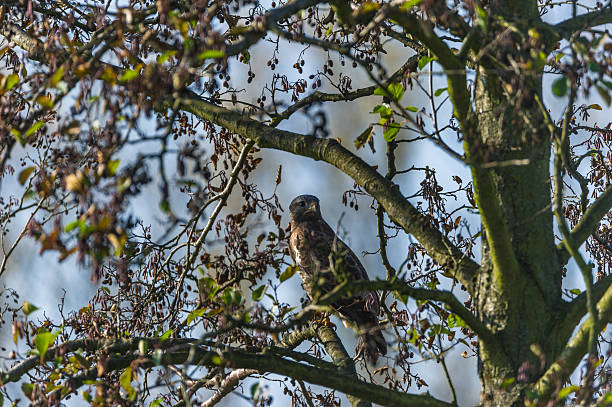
[(384, 110), (259, 292), (166, 334), (288, 273), (424, 61), (25, 174), (28, 308), (57, 76), (130, 74), (212, 53), (391, 131), (396, 90), (438, 92), (126, 379), (42, 342), (11, 81), (195, 314)]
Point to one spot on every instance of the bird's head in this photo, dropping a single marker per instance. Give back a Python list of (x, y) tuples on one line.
[(305, 207)]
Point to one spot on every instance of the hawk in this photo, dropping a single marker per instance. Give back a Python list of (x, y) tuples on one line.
[(323, 258)]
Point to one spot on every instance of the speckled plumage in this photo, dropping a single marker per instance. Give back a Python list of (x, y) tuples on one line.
[(314, 247)]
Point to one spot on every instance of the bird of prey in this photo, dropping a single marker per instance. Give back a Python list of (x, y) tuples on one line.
[(323, 259)]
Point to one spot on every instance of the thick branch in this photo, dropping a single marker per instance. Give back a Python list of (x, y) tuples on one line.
[(577, 309), (562, 368), (588, 223), (335, 349), (504, 260), (186, 353), (401, 287), (330, 379), (571, 25), (384, 191)]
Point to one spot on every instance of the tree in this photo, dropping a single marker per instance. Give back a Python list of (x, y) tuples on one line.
[(84, 86)]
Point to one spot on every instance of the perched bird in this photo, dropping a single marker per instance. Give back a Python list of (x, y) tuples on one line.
[(323, 259)]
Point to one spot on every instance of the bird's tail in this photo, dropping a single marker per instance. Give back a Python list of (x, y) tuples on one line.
[(371, 345)]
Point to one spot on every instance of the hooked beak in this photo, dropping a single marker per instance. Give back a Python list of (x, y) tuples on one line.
[(312, 208)]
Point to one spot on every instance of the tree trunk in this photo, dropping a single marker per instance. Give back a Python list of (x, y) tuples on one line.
[(515, 145)]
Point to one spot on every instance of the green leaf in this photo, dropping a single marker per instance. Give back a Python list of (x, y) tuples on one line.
[(28, 308), (560, 86), (25, 174), (164, 206), (166, 334), (130, 74), (195, 314), (42, 342), (407, 5), (412, 109), (396, 90), (11, 81), (563, 393), (126, 379), (604, 93), (455, 321), (166, 56), (35, 127), (391, 131), (17, 135), (575, 291), (112, 166), (380, 91), (594, 66), (383, 110), (74, 224), (86, 396), (424, 61), (259, 292), (507, 382), (156, 403), (45, 101), (27, 389), (482, 19), (57, 76), (288, 273), (212, 53), (255, 390), (216, 359), (440, 91), (559, 56)]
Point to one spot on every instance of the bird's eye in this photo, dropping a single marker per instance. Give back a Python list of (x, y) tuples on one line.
[(302, 203)]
